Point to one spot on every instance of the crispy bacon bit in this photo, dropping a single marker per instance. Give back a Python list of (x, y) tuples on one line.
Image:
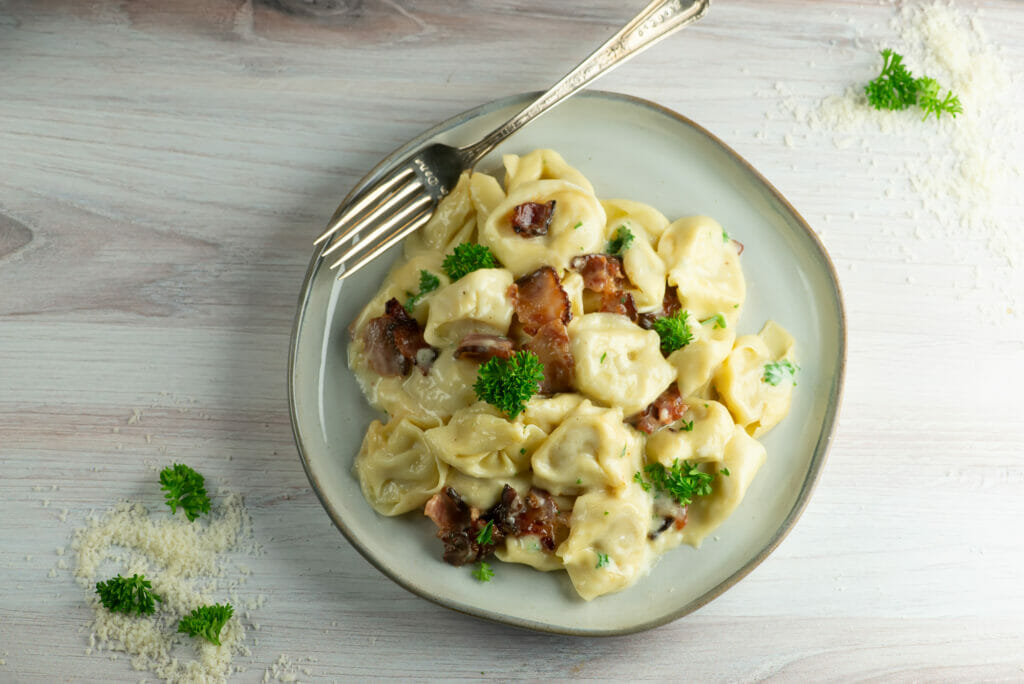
[(541, 518), (603, 274), (481, 347), (394, 342), (459, 524), (531, 219), (551, 345), (539, 298), (666, 409), (669, 305)]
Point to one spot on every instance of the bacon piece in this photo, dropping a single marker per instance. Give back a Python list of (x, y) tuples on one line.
[(394, 342), (541, 518), (459, 525), (551, 345), (666, 409), (531, 219), (481, 347), (603, 274), (539, 298), (669, 305)]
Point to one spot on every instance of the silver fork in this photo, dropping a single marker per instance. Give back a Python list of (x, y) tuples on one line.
[(407, 195)]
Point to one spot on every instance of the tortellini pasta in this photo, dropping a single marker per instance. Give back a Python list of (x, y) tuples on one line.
[(397, 470), (580, 478), (617, 362), (577, 227), (757, 400)]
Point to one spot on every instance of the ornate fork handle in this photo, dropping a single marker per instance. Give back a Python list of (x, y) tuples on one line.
[(656, 21)]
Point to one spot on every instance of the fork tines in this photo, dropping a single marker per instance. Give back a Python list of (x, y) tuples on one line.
[(398, 203)]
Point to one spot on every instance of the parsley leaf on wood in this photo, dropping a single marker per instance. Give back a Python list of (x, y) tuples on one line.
[(127, 595)]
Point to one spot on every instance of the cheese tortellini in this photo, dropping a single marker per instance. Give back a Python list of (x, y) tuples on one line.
[(643, 434)]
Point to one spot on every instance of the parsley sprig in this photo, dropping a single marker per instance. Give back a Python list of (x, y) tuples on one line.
[(428, 283), (509, 384), (602, 560), (896, 88), (127, 595), (184, 488), (466, 258), (674, 331), (207, 621)]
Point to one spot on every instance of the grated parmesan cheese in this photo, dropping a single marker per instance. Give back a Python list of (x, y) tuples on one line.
[(964, 172), (183, 561)]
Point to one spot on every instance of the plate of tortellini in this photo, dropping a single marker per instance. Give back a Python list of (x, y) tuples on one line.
[(593, 392)]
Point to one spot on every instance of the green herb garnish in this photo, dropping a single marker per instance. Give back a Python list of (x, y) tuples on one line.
[(184, 488), (483, 571), (508, 384), (466, 258), (127, 595), (428, 283), (683, 481), (687, 426), (928, 99), (724, 471), (206, 621), (718, 319), (621, 241), (603, 357), (602, 560), (776, 371), (578, 225), (485, 536), (896, 88), (674, 331)]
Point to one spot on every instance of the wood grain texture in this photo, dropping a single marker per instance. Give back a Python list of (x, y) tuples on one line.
[(163, 168)]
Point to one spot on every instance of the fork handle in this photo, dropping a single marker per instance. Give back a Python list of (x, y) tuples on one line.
[(654, 22)]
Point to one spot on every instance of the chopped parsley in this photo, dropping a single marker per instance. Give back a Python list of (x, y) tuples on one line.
[(483, 571), (603, 357), (724, 471), (428, 283), (127, 595), (637, 477), (578, 225), (522, 451), (485, 536), (621, 241), (602, 560), (687, 426), (508, 384), (776, 371), (466, 258), (623, 452), (726, 237), (683, 481), (674, 331), (718, 319)]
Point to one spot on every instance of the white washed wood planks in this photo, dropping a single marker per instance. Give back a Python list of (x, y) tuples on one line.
[(162, 171)]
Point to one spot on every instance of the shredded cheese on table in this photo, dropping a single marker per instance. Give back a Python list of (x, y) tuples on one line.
[(187, 563)]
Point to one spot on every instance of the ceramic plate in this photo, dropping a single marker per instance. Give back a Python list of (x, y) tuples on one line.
[(633, 149)]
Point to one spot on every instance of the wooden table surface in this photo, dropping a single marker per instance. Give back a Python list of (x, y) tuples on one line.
[(162, 172)]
